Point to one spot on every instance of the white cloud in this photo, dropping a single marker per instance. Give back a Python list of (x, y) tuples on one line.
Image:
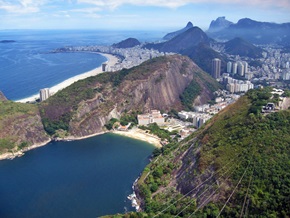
[(178, 3), (87, 10), (21, 6)]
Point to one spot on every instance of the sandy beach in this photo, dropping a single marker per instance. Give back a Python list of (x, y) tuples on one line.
[(112, 60), (140, 135)]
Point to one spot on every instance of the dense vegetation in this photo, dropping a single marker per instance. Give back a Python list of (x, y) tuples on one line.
[(57, 111), (189, 94), (240, 161)]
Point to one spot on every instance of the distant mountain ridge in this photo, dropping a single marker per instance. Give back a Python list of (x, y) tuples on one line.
[(194, 43), (184, 41), (255, 32), (219, 24), (176, 33), (127, 43), (238, 46)]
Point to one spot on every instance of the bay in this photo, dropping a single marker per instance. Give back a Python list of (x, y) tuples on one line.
[(85, 178), (27, 65)]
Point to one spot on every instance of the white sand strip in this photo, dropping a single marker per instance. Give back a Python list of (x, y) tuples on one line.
[(140, 135), (112, 60)]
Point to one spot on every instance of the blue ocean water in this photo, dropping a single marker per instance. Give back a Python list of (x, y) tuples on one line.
[(27, 64), (86, 178)]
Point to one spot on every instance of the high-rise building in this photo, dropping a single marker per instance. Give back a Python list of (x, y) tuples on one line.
[(44, 94), (241, 70), (229, 67), (245, 67), (235, 68), (104, 67), (216, 68)]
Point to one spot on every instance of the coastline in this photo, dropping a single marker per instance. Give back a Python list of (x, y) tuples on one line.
[(12, 155), (111, 61), (140, 135), (133, 133)]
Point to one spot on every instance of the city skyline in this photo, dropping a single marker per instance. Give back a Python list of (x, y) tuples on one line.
[(137, 15)]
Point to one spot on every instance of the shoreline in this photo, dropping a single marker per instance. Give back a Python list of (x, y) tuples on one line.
[(111, 61), (21, 152), (140, 135), (136, 133)]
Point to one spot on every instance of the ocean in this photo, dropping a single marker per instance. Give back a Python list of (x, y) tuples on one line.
[(27, 65), (85, 178)]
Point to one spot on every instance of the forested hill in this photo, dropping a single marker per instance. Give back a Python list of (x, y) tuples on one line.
[(237, 165)]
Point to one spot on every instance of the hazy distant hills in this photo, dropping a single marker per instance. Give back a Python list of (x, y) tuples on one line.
[(176, 33), (253, 31), (127, 43), (238, 46), (219, 24)]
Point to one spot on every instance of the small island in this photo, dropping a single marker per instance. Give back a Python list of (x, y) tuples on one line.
[(7, 41)]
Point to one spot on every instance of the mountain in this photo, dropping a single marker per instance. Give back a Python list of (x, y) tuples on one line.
[(193, 43), (203, 54), (238, 46), (255, 32), (127, 43), (219, 24), (184, 41), (237, 164), (84, 108), (176, 33)]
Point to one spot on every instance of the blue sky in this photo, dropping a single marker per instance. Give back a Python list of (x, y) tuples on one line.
[(134, 14)]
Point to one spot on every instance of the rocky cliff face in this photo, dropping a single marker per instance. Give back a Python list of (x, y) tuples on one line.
[(2, 97), (157, 86), (20, 126)]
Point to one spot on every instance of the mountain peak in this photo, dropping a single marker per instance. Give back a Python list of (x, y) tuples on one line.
[(219, 24), (178, 32), (189, 25)]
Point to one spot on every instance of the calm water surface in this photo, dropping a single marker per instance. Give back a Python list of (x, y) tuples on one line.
[(86, 178)]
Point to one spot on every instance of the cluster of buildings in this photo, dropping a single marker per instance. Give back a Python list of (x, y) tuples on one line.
[(130, 57), (235, 85), (233, 68), (276, 64), (197, 119), (240, 68), (273, 66)]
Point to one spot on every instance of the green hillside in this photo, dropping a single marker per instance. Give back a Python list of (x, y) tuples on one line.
[(237, 165)]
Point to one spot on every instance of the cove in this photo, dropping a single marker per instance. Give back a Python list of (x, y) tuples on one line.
[(86, 178)]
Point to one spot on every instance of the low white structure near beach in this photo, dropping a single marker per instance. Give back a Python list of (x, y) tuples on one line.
[(153, 117)]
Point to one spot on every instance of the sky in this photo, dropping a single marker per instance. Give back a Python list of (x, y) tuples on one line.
[(135, 14)]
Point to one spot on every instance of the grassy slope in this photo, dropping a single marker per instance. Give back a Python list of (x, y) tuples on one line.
[(235, 145)]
